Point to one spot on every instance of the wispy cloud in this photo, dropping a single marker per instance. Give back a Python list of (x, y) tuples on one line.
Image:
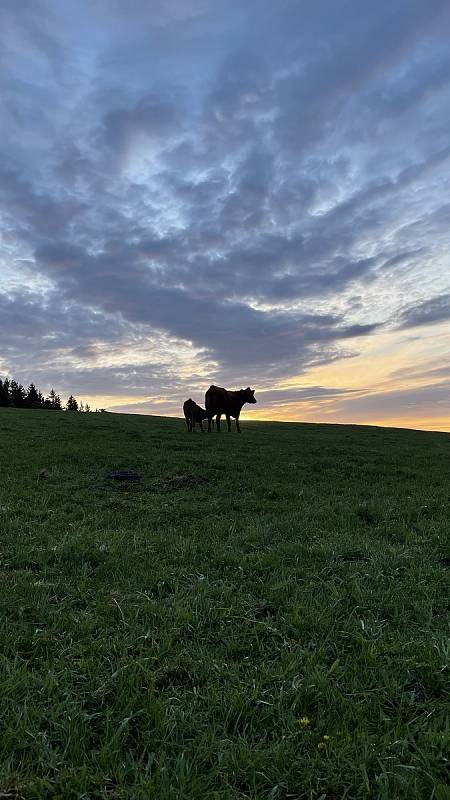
[(428, 312)]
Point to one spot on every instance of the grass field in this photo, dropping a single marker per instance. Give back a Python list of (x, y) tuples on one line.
[(279, 631)]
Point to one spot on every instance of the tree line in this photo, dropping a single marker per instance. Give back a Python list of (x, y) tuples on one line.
[(14, 395)]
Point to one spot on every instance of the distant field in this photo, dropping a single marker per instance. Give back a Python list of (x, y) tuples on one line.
[(277, 632)]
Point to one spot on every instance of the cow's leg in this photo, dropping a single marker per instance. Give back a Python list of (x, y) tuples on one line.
[(237, 425), (209, 424), (188, 422), (218, 423), (201, 425), (229, 423), (193, 423)]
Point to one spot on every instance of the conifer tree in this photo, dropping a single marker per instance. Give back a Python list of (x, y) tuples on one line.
[(12, 393), (7, 391), (5, 399), (32, 396), (72, 404), (17, 394), (55, 400)]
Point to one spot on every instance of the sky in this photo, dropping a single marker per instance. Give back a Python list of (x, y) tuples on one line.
[(243, 193)]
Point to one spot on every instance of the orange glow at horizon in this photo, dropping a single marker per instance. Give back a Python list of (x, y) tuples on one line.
[(389, 383)]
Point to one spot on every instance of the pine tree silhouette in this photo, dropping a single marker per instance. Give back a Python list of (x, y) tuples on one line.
[(55, 400), (72, 404), (5, 399), (32, 397), (12, 393), (17, 394)]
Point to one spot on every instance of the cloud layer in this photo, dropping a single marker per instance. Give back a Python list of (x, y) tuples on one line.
[(232, 192)]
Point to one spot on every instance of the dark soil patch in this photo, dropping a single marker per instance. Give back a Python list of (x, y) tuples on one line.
[(183, 482), (123, 475)]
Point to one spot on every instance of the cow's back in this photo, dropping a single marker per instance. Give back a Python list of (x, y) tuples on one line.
[(200, 413), (216, 400)]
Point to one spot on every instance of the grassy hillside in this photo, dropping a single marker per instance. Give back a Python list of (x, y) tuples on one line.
[(276, 632)]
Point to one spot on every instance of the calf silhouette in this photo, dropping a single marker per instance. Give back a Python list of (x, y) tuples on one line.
[(193, 414), (220, 401)]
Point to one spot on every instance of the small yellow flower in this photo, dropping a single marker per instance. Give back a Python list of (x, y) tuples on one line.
[(321, 745), (304, 722), (326, 738)]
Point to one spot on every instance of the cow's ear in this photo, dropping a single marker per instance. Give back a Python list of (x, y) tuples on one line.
[(248, 389), (252, 391)]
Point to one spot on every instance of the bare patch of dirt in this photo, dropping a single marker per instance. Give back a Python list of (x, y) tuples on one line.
[(183, 482), (123, 475)]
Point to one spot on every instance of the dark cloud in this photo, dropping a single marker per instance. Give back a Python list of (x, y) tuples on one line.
[(240, 335), (429, 312), (46, 323), (150, 119)]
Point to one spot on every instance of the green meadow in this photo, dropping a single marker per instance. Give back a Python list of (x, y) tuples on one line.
[(261, 616)]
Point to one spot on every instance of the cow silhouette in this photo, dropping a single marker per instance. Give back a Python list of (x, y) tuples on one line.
[(193, 414), (220, 401)]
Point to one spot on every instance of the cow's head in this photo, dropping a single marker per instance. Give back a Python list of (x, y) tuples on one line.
[(248, 395)]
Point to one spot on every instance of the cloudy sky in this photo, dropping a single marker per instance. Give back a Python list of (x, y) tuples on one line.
[(245, 193)]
